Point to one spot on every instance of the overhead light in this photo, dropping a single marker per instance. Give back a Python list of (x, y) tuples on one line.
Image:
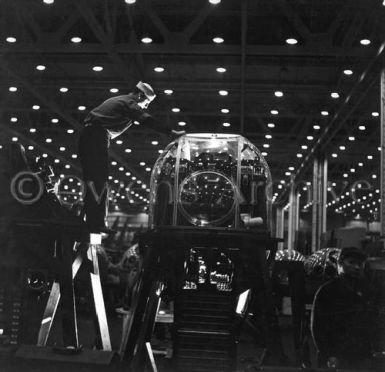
[(10, 39), (76, 39), (70, 131), (370, 157), (54, 120), (136, 122), (278, 93), (63, 89), (274, 112), (81, 108), (223, 92), (159, 69), (364, 41), (67, 166), (119, 142), (221, 70), (160, 151), (36, 107), (130, 1), (142, 163), (154, 143), (334, 155), (268, 136), (40, 67), (360, 164), (291, 168), (114, 163), (14, 120), (291, 41), (351, 138), (310, 138), (12, 89), (146, 40), (62, 148), (32, 130), (352, 170), (226, 124), (175, 109), (342, 148), (324, 113), (316, 127), (30, 147), (14, 139), (48, 140), (218, 40), (168, 91), (304, 147), (148, 169), (127, 150), (271, 125), (375, 113), (181, 123), (48, 1), (214, 2), (334, 95), (348, 72), (362, 127), (97, 68), (299, 155), (225, 111), (266, 145)]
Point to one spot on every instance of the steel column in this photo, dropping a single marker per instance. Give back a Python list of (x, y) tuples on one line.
[(319, 201), (382, 217), (243, 62), (293, 216), (280, 225)]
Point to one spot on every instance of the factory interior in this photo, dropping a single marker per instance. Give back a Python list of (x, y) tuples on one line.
[(242, 227)]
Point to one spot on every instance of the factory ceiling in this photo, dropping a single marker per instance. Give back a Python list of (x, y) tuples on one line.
[(296, 77)]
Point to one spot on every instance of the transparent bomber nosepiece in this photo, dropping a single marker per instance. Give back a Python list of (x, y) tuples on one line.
[(211, 180)]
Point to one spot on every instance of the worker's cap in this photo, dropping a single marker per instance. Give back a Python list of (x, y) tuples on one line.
[(147, 90), (352, 252)]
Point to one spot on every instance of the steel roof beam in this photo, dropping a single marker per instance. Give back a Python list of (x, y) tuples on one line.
[(317, 51)]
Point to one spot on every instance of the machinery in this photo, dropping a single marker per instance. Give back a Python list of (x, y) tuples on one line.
[(208, 245), (43, 247)]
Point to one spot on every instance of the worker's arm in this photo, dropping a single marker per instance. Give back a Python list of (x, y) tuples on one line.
[(152, 123), (148, 121)]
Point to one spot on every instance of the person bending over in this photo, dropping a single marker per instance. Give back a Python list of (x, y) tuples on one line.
[(105, 122)]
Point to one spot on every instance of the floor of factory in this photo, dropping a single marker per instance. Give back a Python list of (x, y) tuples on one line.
[(249, 354)]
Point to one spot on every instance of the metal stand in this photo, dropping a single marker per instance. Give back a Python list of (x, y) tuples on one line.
[(64, 289)]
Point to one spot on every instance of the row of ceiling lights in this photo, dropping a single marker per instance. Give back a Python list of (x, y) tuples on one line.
[(130, 2), (216, 40)]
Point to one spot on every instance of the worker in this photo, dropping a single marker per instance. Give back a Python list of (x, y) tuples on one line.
[(105, 122), (345, 315)]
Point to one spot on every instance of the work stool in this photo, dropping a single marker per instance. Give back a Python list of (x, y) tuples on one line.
[(84, 244)]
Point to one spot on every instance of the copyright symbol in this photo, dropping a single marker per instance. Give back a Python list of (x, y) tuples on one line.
[(26, 187)]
